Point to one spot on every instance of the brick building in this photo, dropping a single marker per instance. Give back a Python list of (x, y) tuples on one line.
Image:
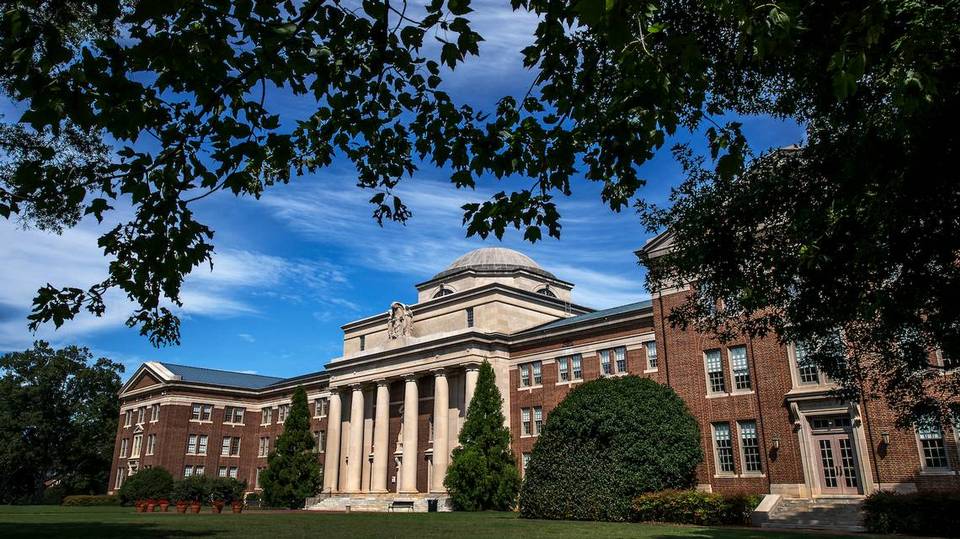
[(768, 421)]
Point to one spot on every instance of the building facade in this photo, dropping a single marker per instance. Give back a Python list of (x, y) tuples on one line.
[(387, 413)]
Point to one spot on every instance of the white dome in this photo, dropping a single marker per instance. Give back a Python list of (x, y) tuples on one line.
[(494, 259)]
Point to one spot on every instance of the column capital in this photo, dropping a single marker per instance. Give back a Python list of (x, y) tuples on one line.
[(411, 377), (381, 382), (357, 386), (472, 366), (440, 371)]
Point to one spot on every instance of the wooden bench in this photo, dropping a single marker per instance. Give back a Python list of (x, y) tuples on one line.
[(401, 504)]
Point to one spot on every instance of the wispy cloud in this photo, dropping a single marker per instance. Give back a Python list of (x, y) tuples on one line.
[(246, 337)]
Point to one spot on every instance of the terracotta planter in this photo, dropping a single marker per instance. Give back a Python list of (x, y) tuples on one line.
[(217, 506), (163, 504), (182, 507), (141, 506), (237, 507), (195, 507), (151, 505)]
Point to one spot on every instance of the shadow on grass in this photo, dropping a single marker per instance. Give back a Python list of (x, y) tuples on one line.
[(96, 530)]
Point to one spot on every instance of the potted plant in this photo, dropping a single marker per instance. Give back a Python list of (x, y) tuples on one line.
[(145, 487), (237, 489), (197, 487), (221, 492), (180, 493), (163, 503)]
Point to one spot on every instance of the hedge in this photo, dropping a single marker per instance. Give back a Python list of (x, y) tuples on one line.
[(695, 507), (914, 514), (91, 500), (609, 441)]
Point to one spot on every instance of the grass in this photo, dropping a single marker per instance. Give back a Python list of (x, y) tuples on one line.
[(107, 522)]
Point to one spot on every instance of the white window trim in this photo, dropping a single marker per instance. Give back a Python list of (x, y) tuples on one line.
[(743, 455), (706, 375), (732, 390), (927, 470), (717, 472), (646, 357)]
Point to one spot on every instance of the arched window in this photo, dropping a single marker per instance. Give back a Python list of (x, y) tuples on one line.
[(443, 291), (546, 292)]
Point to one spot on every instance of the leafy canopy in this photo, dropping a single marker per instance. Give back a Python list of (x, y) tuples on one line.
[(148, 484), (160, 104), (293, 472), (58, 420), (609, 441), (483, 473)]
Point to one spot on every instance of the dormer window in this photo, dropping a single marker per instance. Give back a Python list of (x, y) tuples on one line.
[(443, 291), (545, 291)]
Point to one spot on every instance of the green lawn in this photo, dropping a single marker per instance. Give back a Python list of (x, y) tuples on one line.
[(106, 522)]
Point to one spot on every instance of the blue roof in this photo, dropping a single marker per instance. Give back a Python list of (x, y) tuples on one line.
[(221, 378), (595, 315)]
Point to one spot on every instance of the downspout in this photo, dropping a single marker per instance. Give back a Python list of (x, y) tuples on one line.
[(763, 429)]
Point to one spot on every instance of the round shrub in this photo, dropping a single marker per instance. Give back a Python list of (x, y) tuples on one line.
[(608, 442), (149, 483)]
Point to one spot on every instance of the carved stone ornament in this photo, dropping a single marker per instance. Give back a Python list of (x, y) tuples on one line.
[(401, 321)]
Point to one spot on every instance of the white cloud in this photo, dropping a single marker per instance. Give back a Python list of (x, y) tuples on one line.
[(246, 337)]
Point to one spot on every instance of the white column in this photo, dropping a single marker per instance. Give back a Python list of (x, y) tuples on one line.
[(441, 420), (381, 438), (411, 404), (471, 375), (355, 464), (331, 461)]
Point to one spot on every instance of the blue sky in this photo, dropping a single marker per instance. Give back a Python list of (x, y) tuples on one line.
[(306, 258)]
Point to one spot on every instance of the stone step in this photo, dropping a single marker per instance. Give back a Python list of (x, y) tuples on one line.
[(377, 503), (841, 514)]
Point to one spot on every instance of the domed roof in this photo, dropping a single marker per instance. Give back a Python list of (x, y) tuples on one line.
[(494, 259)]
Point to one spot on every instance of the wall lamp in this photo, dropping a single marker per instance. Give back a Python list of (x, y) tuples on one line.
[(885, 438), (776, 441)]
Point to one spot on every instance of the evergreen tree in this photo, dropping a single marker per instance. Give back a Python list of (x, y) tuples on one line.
[(483, 473), (293, 471)]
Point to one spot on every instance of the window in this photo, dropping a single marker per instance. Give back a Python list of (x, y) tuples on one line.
[(525, 424), (651, 355), (723, 448), (807, 371), (137, 442), (320, 407), (128, 418), (526, 460), (750, 447), (124, 443), (234, 471), (264, 448), (197, 445), (715, 379), (319, 437), (531, 420), (545, 291), (537, 419), (222, 471), (233, 414), (189, 470), (621, 355), (266, 416), (530, 374), (738, 364), (577, 371), (256, 478), (119, 482), (151, 444), (363, 343), (469, 317), (201, 412), (605, 362), (282, 412), (443, 291), (141, 412), (932, 446), (563, 373), (155, 413), (230, 447)]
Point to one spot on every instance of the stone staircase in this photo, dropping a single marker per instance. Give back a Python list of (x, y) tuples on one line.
[(824, 513), (377, 502)]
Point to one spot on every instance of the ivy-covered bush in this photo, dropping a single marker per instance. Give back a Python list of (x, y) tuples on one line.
[(91, 500), (913, 514), (608, 442), (695, 507), (149, 483)]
